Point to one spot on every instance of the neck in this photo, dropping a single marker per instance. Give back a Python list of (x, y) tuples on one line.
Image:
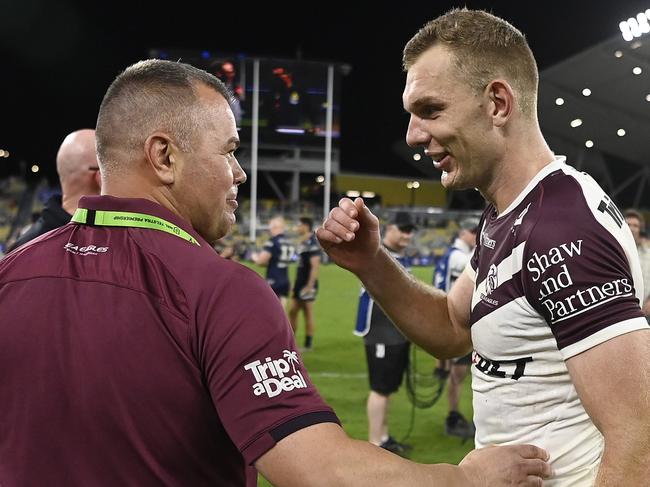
[(136, 186), (392, 248), (526, 154)]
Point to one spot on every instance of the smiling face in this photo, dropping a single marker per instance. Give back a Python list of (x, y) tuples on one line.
[(209, 175), (451, 121)]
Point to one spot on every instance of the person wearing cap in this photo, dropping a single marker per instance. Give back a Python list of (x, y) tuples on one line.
[(449, 268), (387, 350)]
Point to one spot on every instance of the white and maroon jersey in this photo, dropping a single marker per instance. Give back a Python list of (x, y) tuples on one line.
[(555, 274)]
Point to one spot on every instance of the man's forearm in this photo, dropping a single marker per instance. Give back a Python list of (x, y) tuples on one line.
[(419, 311), (313, 276), (628, 462), (373, 466)]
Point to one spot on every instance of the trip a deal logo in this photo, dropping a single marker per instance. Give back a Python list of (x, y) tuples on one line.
[(273, 377)]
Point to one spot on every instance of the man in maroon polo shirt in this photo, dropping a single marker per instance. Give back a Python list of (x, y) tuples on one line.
[(132, 354)]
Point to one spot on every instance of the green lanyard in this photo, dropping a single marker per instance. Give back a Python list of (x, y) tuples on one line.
[(127, 219)]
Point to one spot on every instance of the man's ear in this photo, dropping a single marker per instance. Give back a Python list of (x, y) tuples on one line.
[(502, 101), (161, 156)]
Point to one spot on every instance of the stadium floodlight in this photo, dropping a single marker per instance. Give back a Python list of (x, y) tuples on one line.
[(642, 20), (352, 194), (620, 132), (368, 194), (320, 179), (586, 92), (559, 101), (417, 157), (6, 153), (625, 30), (618, 53), (589, 144), (35, 168), (576, 123), (2, 153), (635, 26), (647, 97), (637, 70)]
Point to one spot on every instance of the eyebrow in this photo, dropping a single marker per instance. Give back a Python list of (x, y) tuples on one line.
[(427, 101), (233, 141)]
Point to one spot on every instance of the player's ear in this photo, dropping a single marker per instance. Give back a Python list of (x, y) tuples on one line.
[(501, 101)]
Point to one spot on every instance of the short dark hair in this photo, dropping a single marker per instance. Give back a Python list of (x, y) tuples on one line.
[(147, 96), (305, 220), (485, 48)]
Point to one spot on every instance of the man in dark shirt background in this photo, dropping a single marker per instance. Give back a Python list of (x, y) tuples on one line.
[(78, 170), (276, 257), (132, 354), (305, 288), (387, 350)]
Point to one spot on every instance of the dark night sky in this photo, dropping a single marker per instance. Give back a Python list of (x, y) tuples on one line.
[(58, 57)]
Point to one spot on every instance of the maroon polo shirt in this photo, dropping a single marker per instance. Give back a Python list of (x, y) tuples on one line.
[(132, 356)]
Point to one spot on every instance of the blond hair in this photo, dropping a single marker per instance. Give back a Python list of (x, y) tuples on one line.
[(485, 48)]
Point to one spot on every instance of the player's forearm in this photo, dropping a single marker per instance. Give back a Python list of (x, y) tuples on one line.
[(419, 311), (313, 276), (626, 461)]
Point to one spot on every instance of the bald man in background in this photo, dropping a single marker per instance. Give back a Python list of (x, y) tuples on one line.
[(78, 169)]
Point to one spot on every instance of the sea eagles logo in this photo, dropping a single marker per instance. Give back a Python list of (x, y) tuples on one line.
[(491, 282), (275, 376)]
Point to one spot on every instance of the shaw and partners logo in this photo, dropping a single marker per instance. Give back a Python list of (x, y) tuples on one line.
[(275, 376)]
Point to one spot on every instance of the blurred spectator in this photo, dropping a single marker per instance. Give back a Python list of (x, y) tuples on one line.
[(636, 222), (78, 169), (305, 288), (449, 267), (276, 257), (387, 350)]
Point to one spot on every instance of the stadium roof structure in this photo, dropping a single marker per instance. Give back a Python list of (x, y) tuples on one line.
[(594, 107)]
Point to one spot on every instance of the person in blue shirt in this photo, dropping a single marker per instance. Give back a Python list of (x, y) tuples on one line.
[(448, 268), (276, 256)]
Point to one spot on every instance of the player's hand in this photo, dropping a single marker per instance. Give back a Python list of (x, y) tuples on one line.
[(350, 235), (501, 466)]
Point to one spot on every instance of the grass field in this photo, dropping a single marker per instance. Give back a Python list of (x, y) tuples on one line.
[(338, 368)]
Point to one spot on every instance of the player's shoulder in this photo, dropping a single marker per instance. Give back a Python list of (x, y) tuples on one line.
[(571, 201)]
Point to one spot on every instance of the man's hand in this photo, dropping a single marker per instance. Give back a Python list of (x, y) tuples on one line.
[(350, 235), (514, 465)]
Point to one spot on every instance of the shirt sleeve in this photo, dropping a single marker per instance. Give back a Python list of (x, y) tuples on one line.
[(268, 246), (258, 383), (578, 274)]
